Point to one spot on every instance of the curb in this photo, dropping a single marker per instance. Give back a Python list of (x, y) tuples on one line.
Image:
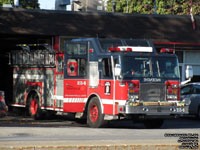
[(95, 147)]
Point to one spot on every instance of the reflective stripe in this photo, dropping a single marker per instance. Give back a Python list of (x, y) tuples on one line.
[(110, 101), (28, 77), (56, 109), (75, 100), (84, 100), (18, 105)]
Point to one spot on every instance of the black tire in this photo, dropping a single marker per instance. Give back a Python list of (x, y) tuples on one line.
[(95, 116), (34, 107), (153, 124)]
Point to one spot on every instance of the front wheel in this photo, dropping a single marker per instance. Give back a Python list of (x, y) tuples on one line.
[(95, 117)]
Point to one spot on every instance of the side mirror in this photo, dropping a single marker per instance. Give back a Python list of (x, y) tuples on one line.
[(118, 70), (189, 72)]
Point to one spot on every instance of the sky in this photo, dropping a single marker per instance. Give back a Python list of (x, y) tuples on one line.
[(47, 4)]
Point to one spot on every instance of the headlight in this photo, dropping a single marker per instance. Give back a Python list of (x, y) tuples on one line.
[(171, 97)]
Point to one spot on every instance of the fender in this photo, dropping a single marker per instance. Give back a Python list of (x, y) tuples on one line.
[(94, 95), (31, 90)]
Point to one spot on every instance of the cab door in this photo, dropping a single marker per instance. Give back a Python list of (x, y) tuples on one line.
[(75, 76)]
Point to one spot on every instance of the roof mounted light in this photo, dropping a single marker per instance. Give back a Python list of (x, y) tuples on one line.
[(131, 49), (167, 50), (114, 49)]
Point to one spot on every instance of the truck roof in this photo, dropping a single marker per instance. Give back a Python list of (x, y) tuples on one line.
[(102, 46)]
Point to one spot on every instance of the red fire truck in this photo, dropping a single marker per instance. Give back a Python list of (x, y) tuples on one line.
[(102, 79)]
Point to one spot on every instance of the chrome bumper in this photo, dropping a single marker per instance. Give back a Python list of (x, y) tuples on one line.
[(152, 109)]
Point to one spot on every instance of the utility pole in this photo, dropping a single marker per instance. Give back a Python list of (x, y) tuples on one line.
[(155, 7), (127, 6), (114, 6)]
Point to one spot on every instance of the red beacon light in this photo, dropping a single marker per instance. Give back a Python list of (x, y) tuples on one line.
[(167, 50), (130, 49), (114, 49)]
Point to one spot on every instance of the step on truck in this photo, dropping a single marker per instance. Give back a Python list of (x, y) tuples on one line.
[(101, 79)]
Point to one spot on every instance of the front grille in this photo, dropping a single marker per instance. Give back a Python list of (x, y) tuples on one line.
[(152, 92)]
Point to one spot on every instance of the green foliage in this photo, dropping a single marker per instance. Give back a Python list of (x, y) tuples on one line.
[(173, 7), (28, 4), (4, 2)]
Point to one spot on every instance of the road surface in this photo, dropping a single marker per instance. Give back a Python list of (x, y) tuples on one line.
[(25, 133)]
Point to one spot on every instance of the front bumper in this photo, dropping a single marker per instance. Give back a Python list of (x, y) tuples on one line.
[(154, 108)]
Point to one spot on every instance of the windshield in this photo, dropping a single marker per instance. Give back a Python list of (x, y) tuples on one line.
[(150, 67)]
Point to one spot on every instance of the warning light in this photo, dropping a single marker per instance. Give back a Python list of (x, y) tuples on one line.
[(167, 50), (91, 50), (130, 49)]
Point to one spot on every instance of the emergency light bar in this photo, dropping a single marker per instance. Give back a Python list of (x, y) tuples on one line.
[(130, 49), (167, 50)]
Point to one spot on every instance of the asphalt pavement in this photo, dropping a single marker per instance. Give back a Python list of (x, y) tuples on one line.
[(21, 132)]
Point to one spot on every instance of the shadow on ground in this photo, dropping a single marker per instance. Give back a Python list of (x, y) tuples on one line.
[(14, 120)]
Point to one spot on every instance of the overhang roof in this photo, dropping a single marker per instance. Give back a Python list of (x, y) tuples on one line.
[(165, 28)]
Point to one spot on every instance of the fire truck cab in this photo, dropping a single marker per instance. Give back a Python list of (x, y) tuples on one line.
[(103, 79)]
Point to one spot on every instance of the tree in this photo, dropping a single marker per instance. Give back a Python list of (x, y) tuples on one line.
[(174, 7), (28, 4)]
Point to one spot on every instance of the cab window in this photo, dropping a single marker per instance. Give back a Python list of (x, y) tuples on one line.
[(76, 49), (107, 67), (76, 67), (75, 59)]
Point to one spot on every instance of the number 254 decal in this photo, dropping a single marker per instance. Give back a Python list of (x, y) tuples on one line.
[(81, 82)]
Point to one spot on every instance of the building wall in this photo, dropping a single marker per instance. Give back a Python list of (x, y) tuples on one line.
[(192, 58), (61, 4), (90, 5)]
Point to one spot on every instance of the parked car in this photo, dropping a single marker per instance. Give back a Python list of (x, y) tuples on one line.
[(3, 106), (191, 92)]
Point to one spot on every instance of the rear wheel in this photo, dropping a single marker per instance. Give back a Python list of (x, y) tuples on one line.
[(152, 124), (34, 107), (95, 117)]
